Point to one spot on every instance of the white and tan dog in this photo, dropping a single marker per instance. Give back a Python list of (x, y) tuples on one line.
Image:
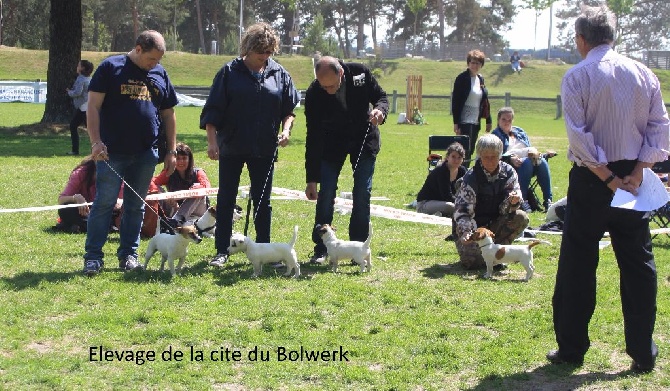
[(358, 252), (495, 254), (172, 247), (262, 253)]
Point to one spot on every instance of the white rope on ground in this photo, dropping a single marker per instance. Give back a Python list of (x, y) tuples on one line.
[(341, 204)]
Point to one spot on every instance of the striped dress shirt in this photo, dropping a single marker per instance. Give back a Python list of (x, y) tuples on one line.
[(614, 111)]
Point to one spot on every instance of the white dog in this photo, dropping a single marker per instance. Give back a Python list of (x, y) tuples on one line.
[(206, 224), (358, 252), (172, 247), (262, 253), (551, 212), (495, 254)]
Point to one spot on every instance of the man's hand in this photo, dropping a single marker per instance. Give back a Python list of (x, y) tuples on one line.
[(169, 163), (311, 192), (376, 117)]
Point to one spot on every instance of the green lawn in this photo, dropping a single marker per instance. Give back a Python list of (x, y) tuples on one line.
[(416, 322)]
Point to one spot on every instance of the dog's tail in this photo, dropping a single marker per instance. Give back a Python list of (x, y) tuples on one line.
[(536, 242), (367, 241), (295, 236)]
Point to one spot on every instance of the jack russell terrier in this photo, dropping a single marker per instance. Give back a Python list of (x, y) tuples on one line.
[(495, 254), (262, 253), (206, 224), (358, 252), (172, 247)]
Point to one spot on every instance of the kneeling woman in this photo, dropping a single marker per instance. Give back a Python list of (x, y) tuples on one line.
[(489, 196), (184, 177), (80, 189), (437, 193)]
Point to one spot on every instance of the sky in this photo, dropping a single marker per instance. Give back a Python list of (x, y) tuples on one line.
[(522, 35)]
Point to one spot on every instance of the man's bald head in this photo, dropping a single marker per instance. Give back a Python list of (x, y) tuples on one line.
[(329, 73), (149, 40)]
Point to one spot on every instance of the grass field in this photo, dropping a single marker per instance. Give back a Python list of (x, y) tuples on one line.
[(416, 322)]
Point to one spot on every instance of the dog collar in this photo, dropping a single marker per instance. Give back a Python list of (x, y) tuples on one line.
[(201, 231)]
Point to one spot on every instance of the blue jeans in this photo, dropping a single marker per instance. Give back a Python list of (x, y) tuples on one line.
[(230, 169), (137, 171), (526, 171), (360, 214)]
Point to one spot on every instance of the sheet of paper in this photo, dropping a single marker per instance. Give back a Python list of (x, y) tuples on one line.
[(651, 195)]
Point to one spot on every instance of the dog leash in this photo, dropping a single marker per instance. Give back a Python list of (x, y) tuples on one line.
[(362, 145), (138, 196), (265, 184)]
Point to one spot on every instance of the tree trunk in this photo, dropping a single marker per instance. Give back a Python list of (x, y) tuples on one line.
[(64, 54), (200, 32), (360, 34), (136, 22), (440, 16)]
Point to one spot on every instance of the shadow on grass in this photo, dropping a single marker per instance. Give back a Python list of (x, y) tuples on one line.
[(548, 377), (501, 74), (47, 140), (28, 280), (439, 270)]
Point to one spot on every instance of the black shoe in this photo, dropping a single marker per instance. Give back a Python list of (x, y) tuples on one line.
[(554, 356), (218, 260), (528, 234), (637, 368), (499, 267), (129, 262), (450, 238), (317, 259), (92, 267)]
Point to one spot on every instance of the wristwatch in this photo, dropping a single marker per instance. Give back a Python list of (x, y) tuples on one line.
[(172, 152), (609, 179)]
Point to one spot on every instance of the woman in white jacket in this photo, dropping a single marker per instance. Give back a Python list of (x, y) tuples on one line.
[(79, 95)]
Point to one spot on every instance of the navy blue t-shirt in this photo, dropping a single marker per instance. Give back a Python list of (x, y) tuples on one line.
[(130, 112)]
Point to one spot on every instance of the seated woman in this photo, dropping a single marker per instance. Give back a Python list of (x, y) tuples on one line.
[(517, 145), (80, 189), (489, 196), (437, 193), (184, 177)]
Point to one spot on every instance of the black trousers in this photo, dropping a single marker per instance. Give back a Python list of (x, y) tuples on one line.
[(588, 216), (78, 118), (471, 130)]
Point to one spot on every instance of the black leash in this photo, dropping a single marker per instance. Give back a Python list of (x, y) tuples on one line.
[(160, 218), (267, 177)]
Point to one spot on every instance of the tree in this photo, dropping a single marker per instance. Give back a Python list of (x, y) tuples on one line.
[(641, 24), (415, 6), (64, 54), (538, 6)]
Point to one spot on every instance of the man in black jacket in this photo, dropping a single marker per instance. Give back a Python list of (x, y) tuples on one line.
[(340, 123)]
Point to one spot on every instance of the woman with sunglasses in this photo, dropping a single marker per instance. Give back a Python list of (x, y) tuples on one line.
[(247, 116)]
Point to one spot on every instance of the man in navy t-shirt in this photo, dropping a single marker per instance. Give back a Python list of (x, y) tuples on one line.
[(129, 96)]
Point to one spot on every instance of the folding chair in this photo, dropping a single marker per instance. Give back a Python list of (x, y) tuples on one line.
[(661, 216), (533, 199), (440, 143)]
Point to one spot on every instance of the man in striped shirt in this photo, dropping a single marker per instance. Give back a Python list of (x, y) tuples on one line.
[(617, 125)]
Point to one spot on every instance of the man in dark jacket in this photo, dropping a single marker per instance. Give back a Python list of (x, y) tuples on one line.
[(340, 123)]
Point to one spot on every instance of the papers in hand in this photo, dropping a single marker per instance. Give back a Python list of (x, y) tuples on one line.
[(651, 195)]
